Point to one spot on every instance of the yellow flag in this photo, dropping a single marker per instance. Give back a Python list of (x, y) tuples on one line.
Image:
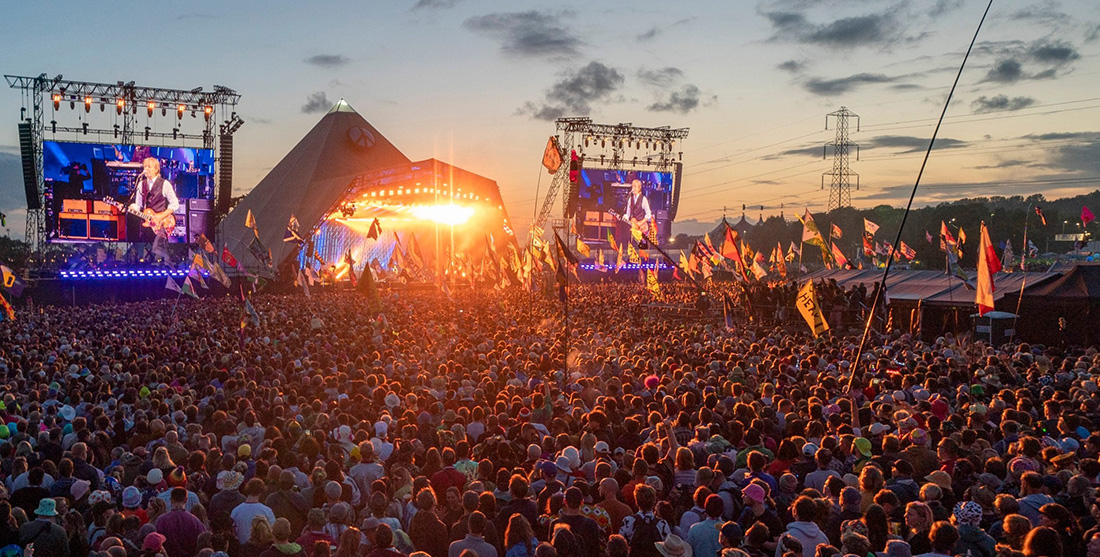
[(651, 282), (583, 248), (810, 310)]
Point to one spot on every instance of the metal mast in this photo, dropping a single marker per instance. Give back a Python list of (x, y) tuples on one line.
[(840, 188)]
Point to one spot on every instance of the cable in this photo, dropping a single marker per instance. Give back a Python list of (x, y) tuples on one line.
[(880, 292)]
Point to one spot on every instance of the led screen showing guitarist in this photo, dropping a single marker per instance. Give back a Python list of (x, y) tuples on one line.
[(155, 198)]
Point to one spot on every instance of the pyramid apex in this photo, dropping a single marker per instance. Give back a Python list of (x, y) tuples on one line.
[(341, 106)]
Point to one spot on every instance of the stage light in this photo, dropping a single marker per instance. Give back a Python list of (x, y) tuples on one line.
[(207, 112), (56, 101), (87, 104), (451, 215), (603, 142), (192, 112), (72, 105), (149, 107), (179, 112), (116, 130), (175, 133), (85, 127), (146, 133), (120, 106), (163, 111), (53, 126)]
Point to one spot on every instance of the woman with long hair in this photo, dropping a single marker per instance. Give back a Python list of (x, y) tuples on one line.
[(878, 527), (519, 540), (1043, 541), (918, 525), (348, 544), (1057, 517), (78, 534), (260, 539), (1014, 531)]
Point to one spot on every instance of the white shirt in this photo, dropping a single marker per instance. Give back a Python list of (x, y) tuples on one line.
[(169, 194)]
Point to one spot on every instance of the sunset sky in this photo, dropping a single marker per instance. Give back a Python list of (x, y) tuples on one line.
[(477, 83)]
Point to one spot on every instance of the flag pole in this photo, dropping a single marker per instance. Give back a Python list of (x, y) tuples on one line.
[(1023, 267), (893, 249)]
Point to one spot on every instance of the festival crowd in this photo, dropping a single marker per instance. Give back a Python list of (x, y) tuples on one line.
[(483, 424)]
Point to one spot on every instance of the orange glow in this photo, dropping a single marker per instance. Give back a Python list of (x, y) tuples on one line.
[(451, 215)]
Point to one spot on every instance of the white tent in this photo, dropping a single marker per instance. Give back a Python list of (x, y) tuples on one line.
[(307, 182)]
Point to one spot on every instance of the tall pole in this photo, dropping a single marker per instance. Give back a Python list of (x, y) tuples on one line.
[(1023, 268)]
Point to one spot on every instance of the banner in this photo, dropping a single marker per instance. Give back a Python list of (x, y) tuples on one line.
[(810, 310)]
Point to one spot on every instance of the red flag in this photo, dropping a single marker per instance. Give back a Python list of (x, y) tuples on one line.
[(731, 251), (1086, 215), (946, 235), (228, 258), (988, 264), (1042, 217)]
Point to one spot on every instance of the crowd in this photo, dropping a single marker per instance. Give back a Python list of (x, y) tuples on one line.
[(470, 425)]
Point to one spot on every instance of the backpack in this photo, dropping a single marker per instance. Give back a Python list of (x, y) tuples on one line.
[(646, 535)]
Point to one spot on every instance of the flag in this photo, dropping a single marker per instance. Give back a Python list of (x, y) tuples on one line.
[(928, 236), (189, 288), (836, 232), (414, 251), (253, 316), (291, 234), (1086, 215), (731, 251), (611, 241), (9, 312), (13, 283), (907, 252), (779, 263), (962, 236), (869, 227), (582, 248), (600, 265), (727, 310), (351, 269), (758, 269), (651, 282), (1042, 217), (793, 251), (250, 222), (868, 247), (171, 285), (810, 233), (196, 274), (228, 258), (1007, 255), (945, 234), (204, 243), (374, 230), (810, 309), (551, 156), (259, 251), (838, 256), (304, 281), (988, 265), (565, 253)]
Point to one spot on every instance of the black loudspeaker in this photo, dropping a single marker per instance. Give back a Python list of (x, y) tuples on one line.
[(30, 169), (73, 227), (225, 173), (197, 223), (103, 227)]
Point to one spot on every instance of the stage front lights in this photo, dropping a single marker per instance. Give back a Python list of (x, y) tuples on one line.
[(179, 111), (150, 106), (56, 101), (120, 105), (87, 104), (207, 111)]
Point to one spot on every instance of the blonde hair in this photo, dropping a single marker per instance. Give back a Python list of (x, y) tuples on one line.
[(155, 162), (261, 531)]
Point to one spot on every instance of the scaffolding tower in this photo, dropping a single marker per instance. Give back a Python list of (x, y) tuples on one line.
[(841, 176)]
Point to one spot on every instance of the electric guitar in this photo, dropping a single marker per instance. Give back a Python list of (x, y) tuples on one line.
[(163, 222), (641, 225)]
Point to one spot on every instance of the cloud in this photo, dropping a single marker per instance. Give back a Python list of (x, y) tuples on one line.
[(660, 77), (910, 144), (1054, 53), (1010, 163), (1043, 14), (999, 103), (576, 91), (826, 87), (811, 151), (317, 102), (943, 7), (1078, 157), (1005, 71), (792, 66), (683, 101), (876, 29), (327, 60), (258, 120), (650, 34), (433, 4), (1092, 33), (527, 34), (1060, 136)]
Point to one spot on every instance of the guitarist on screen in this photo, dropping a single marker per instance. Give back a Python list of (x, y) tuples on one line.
[(155, 197), (637, 212)]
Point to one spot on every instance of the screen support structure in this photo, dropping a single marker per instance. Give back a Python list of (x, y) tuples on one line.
[(652, 147), (126, 99)]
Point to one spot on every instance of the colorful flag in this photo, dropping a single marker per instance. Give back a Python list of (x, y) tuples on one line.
[(611, 241), (351, 269), (228, 258), (836, 232), (1042, 217), (291, 234), (582, 248), (780, 265), (1086, 215), (551, 156), (374, 230), (651, 282), (250, 222), (962, 236), (189, 288), (838, 257), (204, 243), (758, 269), (253, 315), (869, 227), (908, 252), (945, 234), (304, 280), (731, 251), (171, 285), (988, 265), (9, 312), (1007, 256), (810, 309), (810, 233), (13, 283), (868, 247), (259, 251)]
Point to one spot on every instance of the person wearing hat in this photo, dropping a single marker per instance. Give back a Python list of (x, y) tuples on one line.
[(227, 498), (178, 478), (48, 537), (967, 518), (179, 527), (754, 497)]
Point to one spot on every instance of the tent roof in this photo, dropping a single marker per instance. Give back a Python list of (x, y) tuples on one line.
[(308, 180), (931, 287), (1080, 282)]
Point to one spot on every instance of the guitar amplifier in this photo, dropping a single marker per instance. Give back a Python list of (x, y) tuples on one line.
[(103, 227), (72, 227), (101, 208), (74, 206)]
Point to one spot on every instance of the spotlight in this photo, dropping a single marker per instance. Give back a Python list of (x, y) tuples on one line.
[(116, 130), (85, 127), (207, 111), (146, 133), (120, 106), (72, 105), (103, 106), (163, 111), (192, 112), (56, 101), (175, 133), (87, 104), (53, 126), (179, 111), (149, 107)]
